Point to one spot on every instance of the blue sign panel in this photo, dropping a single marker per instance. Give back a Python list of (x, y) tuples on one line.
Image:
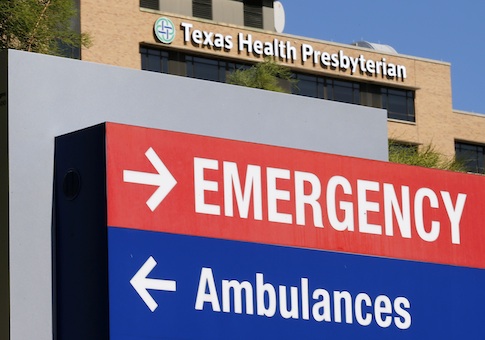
[(165, 286)]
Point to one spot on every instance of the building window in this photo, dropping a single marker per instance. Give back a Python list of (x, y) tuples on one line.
[(398, 103), (178, 63), (202, 9), (150, 4), (154, 60), (342, 91), (370, 95), (253, 13), (207, 69), (309, 86), (471, 155), (327, 88), (210, 69)]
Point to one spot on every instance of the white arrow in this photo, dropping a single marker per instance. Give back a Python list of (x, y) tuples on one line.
[(164, 179), (141, 283)]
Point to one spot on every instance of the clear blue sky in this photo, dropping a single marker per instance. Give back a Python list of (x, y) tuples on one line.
[(450, 31)]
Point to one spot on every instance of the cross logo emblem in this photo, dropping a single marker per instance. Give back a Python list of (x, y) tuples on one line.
[(164, 30)]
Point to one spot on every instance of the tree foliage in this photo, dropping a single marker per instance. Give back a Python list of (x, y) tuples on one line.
[(426, 156), (43, 26), (267, 75)]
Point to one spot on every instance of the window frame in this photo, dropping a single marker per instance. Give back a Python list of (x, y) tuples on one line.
[(202, 9), (253, 13), (478, 160), (361, 93), (394, 97), (150, 4)]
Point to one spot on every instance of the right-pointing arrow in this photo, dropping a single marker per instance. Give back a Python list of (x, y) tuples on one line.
[(164, 179), (141, 283)]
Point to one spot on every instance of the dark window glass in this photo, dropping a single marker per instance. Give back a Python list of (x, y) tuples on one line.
[(202, 9), (472, 156), (253, 13), (268, 3), (154, 60), (343, 91), (150, 4), (179, 63), (398, 103), (231, 67), (203, 68), (210, 69), (310, 86), (370, 95)]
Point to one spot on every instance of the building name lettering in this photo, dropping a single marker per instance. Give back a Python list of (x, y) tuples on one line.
[(286, 51)]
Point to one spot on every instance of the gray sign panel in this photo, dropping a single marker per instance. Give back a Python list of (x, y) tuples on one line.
[(49, 96)]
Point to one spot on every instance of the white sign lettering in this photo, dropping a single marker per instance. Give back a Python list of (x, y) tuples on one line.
[(269, 200), (286, 51), (298, 302)]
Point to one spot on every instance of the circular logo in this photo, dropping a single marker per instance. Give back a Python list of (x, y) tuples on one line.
[(164, 30)]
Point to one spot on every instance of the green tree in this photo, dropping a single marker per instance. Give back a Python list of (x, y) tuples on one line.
[(267, 75), (42, 26), (425, 156)]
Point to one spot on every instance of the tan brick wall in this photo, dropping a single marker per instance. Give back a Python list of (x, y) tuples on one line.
[(119, 27), (469, 127)]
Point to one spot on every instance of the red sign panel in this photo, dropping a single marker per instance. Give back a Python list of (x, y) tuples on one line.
[(195, 185)]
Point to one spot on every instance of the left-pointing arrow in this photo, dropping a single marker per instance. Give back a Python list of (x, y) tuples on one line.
[(164, 179), (141, 283)]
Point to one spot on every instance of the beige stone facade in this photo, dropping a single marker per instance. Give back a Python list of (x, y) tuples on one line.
[(119, 28)]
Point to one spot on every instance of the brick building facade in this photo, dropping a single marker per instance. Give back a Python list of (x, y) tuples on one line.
[(211, 38)]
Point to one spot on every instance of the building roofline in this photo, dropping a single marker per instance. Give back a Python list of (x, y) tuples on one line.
[(481, 115)]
